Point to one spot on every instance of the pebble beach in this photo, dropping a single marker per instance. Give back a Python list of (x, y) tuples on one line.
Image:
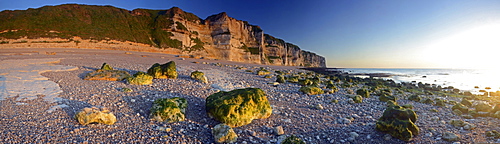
[(49, 118)]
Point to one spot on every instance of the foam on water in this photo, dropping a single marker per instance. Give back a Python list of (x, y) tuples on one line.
[(22, 79)]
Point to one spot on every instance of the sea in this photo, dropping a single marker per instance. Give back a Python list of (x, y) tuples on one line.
[(471, 80)]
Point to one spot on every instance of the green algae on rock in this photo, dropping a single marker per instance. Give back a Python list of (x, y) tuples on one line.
[(224, 134), (199, 76), (164, 71), (363, 92), (292, 140), (140, 78), (107, 73), (387, 97), (311, 90), (169, 109), (460, 107), (398, 122), (415, 98), (95, 115), (280, 79), (263, 72), (238, 107)]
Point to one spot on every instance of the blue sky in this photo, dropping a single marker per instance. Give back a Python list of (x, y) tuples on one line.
[(381, 33)]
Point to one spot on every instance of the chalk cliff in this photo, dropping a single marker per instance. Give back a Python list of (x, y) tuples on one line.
[(174, 30)]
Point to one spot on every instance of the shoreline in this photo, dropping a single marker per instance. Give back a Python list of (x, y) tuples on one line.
[(36, 120)]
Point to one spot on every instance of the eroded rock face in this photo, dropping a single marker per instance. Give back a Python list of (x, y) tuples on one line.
[(199, 76), (167, 70), (95, 115), (238, 107), (107, 73), (224, 134), (398, 122), (169, 109)]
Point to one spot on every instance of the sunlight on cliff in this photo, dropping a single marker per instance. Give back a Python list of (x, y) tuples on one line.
[(472, 48)]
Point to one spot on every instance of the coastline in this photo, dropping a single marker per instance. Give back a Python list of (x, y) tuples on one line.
[(31, 121)]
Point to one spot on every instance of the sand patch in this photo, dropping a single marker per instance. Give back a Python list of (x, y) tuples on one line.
[(22, 79)]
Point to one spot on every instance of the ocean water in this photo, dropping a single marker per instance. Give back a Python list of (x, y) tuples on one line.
[(463, 79)]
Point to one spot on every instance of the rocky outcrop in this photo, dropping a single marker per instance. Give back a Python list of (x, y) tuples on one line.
[(95, 115), (173, 31)]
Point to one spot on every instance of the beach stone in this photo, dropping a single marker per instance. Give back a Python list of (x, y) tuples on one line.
[(305, 82), (415, 98), (457, 123), (344, 121), (318, 106), (448, 136), (353, 136), (386, 97), (238, 107), (363, 92), (199, 76), (140, 78), (107, 73), (292, 139), (280, 79), (95, 115), (311, 90), (466, 102), (483, 106), (492, 133), (169, 109), (357, 99), (293, 79), (126, 90), (263, 72), (224, 134), (164, 71), (279, 130), (439, 102), (427, 101), (460, 107), (398, 122)]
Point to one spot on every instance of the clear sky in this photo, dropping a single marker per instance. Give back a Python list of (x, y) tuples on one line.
[(356, 33)]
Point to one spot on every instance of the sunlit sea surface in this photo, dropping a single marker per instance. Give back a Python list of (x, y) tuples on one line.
[(463, 79)]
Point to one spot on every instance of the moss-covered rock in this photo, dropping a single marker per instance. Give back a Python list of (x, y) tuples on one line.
[(291, 140), (462, 108), (492, 133), (224, 134), (457, 123), (439, 102), (357, 99), (238, 107), (280, 79), (398, 122), (305, 82), (126, 90), (263, 72), (483, 106), (363, 92), (105, 66), (293, 79), (427, 101), (311, 90), (332, 87), (140, 78), (466, 102), (107, 73), (449, 136), (199, 76), (167, 70), (95, 115), (169, 109), (415, 98), (386, 97)]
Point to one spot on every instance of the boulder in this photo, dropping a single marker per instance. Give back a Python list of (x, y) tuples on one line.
[(448, 136), (414, 98), (280, 79), (140, 78), (238, 107), (363, 92), (305, 82), (224, 134), (293, 79), (95, 115), (290, 140), (427, 101), (439, 102), (107, 73), (483, 106), (466, 102), (386, 97), (169, 109), (311, 90), (357, 99), (167, 70), (199, 76), (263, 72), (398, 122), (493, 133), (279, 130), (462, 108), (457, 123)]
